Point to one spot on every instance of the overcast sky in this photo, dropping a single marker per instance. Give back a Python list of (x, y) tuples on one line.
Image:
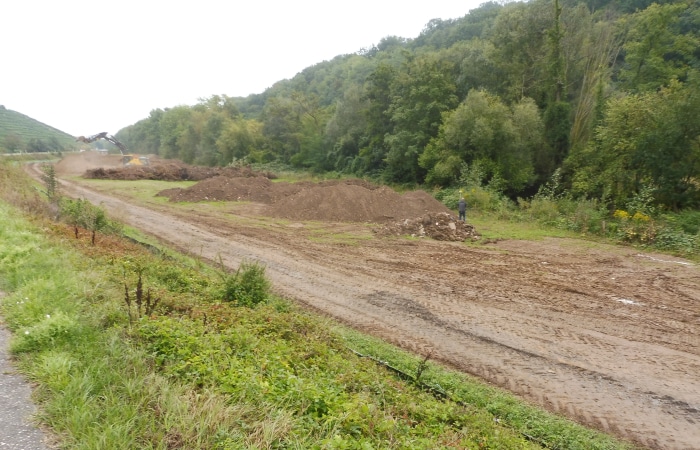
[(87, 66)]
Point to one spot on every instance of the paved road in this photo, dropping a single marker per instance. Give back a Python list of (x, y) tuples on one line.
[(16, 408)]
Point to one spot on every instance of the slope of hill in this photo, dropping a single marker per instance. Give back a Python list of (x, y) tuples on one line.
[(22, 133)]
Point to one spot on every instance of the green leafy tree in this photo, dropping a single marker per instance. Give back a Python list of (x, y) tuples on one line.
[(484, 131), (661, 44), (242, 140), (312, 119), (282, 128), (173, 125), (12, 143), (37, 145), (372, 155), (649, 139), (423, 90), (520, 50), (477, 67), (557, 114), (345, 131), (144, 136), (440, 34), (598, 51)]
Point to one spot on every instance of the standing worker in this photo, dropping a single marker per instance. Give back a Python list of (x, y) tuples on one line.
[(462, 209)]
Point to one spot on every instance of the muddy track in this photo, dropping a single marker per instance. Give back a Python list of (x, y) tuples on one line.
[(607, 336)]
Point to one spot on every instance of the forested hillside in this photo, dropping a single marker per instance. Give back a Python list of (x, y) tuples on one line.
[(20, 133), (601, 96)]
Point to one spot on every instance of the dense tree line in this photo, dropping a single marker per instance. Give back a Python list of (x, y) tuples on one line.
[(604, 92), (13, 143)]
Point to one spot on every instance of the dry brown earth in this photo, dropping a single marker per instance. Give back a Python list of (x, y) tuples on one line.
[(608, 336)]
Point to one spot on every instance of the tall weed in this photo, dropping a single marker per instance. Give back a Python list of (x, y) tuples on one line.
[(17, 189)]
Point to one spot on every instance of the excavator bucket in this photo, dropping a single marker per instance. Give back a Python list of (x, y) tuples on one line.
[(133, 160)]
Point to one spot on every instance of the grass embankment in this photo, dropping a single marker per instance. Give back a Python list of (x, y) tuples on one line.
[(192, 371)]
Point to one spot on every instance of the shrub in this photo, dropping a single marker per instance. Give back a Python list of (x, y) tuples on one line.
[(247, 286), (636, 228), (587, 216), (670, 239), (81, 213), (542, 210), (51, 182), (687, 221)]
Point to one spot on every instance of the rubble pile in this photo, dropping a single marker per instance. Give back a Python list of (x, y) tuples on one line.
[(439, 226)]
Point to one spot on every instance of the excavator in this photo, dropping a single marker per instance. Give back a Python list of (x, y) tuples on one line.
[(127, 158)]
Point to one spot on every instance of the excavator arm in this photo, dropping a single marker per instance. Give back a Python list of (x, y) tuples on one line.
[(104, 135), (127, 159)]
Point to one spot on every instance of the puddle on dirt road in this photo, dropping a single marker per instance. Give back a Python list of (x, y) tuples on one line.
[(628, 301), (684, 263)]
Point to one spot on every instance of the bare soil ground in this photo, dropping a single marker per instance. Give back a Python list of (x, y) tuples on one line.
[(608, 336)]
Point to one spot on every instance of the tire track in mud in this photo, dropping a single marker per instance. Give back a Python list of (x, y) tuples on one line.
[(493, 315)]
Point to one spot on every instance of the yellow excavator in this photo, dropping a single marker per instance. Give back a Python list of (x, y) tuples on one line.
[(127, 158)]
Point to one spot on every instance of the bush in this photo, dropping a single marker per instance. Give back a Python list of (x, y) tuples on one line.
[(81, 213), (248, 286), (449, 197), (587, 216), (687, 221), (542, 210), (676, 240)]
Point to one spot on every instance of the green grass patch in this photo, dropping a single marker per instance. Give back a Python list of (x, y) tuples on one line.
[(143, 190), (325, 236), (491, 227)]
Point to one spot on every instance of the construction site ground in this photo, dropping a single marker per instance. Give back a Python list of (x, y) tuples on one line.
[(605, 335)]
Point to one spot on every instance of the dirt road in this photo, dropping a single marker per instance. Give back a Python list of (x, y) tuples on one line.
[(605, 335)]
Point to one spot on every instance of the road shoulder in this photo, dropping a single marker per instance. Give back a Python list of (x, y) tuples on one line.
[(17, 431)]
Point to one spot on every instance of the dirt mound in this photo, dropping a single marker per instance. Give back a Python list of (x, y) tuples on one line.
[(169, 171), (223, 188), (351, 200), (439, 226)]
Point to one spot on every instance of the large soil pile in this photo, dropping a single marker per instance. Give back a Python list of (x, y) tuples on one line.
[(168, 171), (336, 200)]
